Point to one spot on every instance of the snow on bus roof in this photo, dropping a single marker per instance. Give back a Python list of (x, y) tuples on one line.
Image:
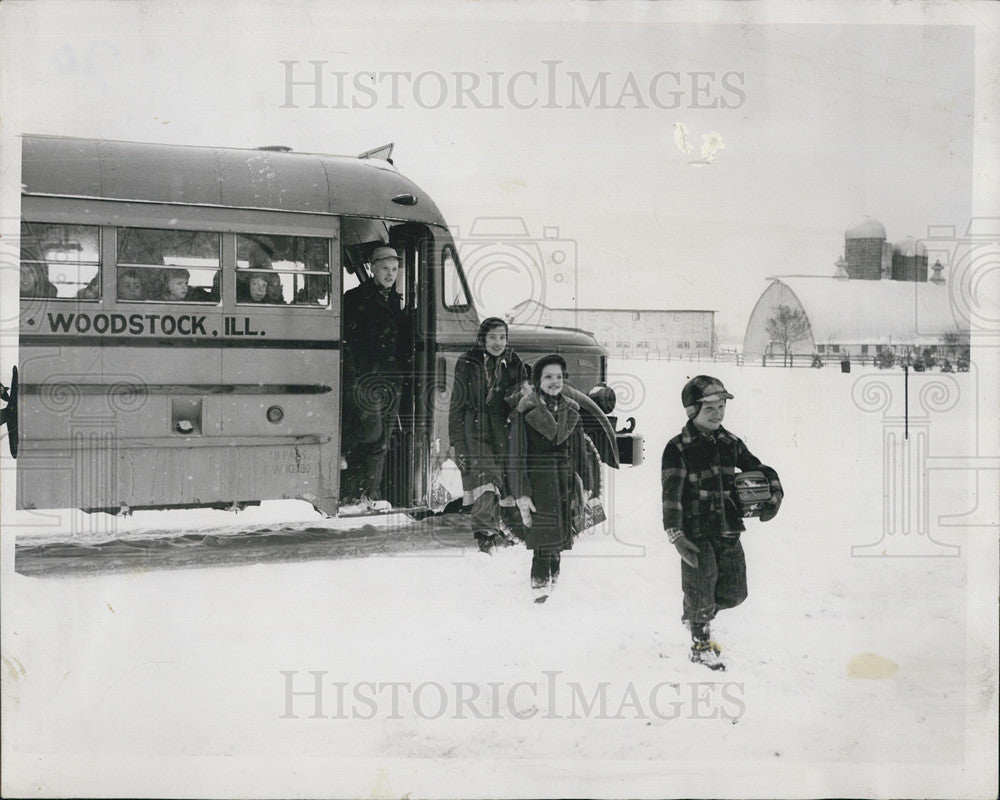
[(221, 177)]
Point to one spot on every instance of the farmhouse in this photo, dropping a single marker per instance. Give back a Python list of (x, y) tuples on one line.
[(631, 333)]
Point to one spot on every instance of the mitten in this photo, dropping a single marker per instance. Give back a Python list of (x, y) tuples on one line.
[(687, 549), (770, 511)]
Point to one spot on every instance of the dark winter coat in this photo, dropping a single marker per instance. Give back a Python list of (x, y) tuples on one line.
[(547, 452), (697, 471), (478, 423), (376, 331)]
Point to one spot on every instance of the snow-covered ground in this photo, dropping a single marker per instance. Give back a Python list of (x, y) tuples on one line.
[(850, 672)]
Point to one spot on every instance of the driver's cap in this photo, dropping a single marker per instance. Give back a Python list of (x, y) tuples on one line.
[(383, 252)]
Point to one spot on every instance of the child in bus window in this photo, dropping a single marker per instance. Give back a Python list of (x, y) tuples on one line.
[(92, 291), (34, 283), (275, 291), (212, 295), (257, 289), (129, 285), (175, 287)]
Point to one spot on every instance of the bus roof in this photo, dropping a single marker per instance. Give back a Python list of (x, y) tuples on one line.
[(220, 177)]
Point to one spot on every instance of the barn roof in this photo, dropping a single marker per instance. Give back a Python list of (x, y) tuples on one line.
[(874, 312)]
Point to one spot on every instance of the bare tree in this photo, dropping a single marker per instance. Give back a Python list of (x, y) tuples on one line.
[(786, 327)]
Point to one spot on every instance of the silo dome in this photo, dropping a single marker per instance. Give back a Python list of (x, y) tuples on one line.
[(865, 228), (909, 260), (909, 247)]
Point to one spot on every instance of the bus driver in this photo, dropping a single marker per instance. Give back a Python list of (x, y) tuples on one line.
[(377, 353)]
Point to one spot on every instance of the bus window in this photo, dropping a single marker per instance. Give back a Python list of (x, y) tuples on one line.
[(60, 261), (350, 279), (456, 296), (274, 270), (170, 265)]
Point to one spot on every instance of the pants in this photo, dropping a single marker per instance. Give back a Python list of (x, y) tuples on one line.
[(719, 581), (544, 567), (367, 427)]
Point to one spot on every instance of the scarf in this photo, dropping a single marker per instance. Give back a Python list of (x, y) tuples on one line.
[(494, 367), (551, 401), (557, 425)]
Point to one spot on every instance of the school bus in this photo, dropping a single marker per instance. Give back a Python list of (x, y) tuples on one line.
[(180, 327)]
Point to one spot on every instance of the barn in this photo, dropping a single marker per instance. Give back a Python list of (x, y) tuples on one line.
[(632, 332), (854, 317), (880, 298)]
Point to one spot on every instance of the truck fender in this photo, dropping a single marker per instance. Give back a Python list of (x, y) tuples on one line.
[(596, 425)]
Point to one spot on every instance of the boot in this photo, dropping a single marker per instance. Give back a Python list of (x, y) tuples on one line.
[(707, 653), (704, 649)]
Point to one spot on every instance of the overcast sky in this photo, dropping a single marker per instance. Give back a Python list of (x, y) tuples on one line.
[(820, 123)]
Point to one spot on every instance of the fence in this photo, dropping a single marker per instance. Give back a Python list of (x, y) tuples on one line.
[(797, 360)]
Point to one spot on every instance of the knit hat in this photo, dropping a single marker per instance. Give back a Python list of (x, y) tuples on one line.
[(542, 363), (700, 389)]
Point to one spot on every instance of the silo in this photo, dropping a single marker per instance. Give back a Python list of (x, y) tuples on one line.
[(909, 260), (863, 246)]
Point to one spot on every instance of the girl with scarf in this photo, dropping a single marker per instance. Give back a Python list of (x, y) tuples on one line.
[(488, 382), (547, 453)]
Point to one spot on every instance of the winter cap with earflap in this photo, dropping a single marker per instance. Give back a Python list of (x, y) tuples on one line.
[(542, 363), (701, 389)]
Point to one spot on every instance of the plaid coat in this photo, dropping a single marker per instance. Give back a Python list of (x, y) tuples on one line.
[(697, 472)]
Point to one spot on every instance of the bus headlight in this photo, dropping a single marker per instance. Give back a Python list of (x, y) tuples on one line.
[(605, 397), (275, 414)]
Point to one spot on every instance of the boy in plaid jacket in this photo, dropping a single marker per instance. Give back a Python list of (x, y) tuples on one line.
[(700, 517)]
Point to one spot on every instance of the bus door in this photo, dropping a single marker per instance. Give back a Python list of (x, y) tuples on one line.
[(404, 479), (455, 324), (408, 480)]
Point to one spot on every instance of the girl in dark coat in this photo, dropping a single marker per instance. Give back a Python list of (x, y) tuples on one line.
[(488, 383), (547, 453)]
